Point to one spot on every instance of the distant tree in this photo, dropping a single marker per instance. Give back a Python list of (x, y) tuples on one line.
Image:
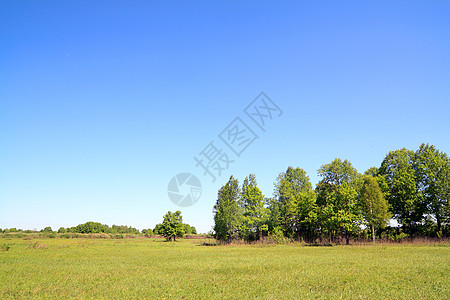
[(228, 214), (374, 206), (62, 230), (158, 229), (147, 232), (172, 226), (188, 229), (47, 229), (91, 227)]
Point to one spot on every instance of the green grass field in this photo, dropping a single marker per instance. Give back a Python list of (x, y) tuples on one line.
[(152, 268)]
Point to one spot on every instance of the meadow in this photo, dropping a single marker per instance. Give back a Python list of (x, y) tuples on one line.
[(188, 269)]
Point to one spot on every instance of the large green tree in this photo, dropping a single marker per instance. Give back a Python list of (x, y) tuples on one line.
[(433, 182), (406, 205), (254, 212), (172, 225), (374, 206), (294, 203), (228, 212), (337, 199)]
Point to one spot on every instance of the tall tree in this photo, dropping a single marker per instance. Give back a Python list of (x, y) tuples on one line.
[(374, 206), (407, 207), (172, 226), (292, 188), (228, 213), (432, 177), (254, 212), (337, 198)]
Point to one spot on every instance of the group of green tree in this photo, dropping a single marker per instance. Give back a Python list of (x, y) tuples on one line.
[(172, 227), (95, 227), (411, 187)]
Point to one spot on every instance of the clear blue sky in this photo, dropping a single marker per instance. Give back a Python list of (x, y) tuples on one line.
[(102, 102)]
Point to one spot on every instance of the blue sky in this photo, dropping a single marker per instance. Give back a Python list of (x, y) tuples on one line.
[(102, 103)]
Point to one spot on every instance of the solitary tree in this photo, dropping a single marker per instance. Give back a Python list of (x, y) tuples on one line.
[(172, 226), (374, 206)]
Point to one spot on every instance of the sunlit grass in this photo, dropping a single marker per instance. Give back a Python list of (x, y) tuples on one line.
[(147, 268)]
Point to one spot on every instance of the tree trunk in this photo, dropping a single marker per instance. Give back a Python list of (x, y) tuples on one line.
[(373, 234)]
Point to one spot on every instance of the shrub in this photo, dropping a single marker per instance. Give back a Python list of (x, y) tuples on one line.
[(62, 230), (37, 245), (276, 237), (5, 247), (116, 236)]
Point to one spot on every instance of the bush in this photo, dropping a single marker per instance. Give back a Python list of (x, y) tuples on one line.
[(116, 236), (51, 235), (5, 247), (276, 237), (37, 245), (147, 232), (65, 236), (47, 229)]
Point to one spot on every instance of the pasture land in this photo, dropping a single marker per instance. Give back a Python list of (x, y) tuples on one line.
[(152, 268)]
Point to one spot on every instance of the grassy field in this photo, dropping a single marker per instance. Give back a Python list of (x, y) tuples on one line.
[(152, 268)]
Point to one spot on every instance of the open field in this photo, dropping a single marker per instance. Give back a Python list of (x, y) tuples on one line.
[(152, 268)]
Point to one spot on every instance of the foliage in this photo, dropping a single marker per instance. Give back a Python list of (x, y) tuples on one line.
[(373, 205), (294, 204), (62, 230), (337, 199), (5, 247), (47, 229), (397, 169), (254, 213), (158, 229), (147, 232), (228, 213), (172, 226), (432, 169)]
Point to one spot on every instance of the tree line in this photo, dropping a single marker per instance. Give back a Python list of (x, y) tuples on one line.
[(172, 227), (410, 187)]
